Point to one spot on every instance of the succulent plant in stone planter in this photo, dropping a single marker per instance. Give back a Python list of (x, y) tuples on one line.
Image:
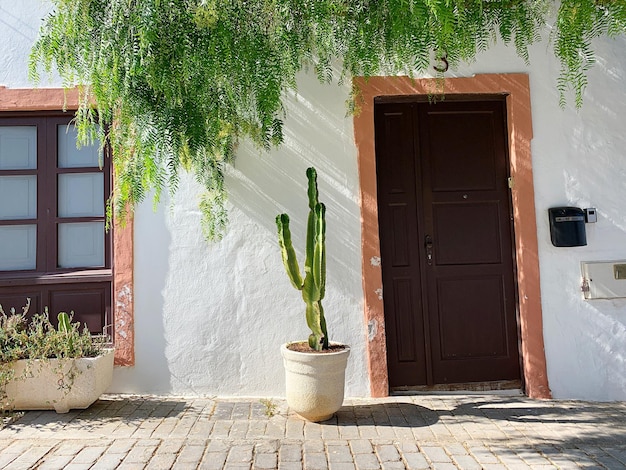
[(314, 368), (45, 367)]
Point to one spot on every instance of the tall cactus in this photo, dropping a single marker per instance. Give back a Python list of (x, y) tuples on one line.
[(313, 285)]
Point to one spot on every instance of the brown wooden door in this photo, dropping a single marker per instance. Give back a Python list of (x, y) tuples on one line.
[(446, 242)]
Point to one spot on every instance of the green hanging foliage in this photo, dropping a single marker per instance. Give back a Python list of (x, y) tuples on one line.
[(578, 23), (181, 81)]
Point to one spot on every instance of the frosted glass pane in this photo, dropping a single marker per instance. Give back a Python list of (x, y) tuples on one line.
[(72, 157), (81, 195), (81, 245), (18, 147), (18, 197), (18, 245)]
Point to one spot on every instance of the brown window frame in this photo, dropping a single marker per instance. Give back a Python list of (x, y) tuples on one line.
[(46, 272)]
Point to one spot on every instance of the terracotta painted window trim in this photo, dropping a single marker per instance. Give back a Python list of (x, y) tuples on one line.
[(517, 89), (52, 99)]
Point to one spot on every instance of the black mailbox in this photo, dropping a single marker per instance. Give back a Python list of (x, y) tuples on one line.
[(567, 226)]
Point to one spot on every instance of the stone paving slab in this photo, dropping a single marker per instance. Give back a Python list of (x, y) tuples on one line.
[(483, 432)]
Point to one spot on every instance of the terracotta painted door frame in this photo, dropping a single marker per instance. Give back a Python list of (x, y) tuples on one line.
[(517, 90)]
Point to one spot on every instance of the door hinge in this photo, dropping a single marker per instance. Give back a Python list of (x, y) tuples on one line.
[(511, 182)]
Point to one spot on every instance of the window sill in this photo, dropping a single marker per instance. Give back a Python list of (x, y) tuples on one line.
[(31, 278)]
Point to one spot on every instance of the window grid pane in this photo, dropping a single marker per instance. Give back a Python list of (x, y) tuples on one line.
[(81, 245), (72, 157), (18, 147), (81, 195), (18, 197), (18, 247)]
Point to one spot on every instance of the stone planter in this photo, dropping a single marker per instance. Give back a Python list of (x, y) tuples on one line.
[(315, 382), (60, 384)]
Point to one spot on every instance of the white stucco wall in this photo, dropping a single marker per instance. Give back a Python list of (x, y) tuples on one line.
[(210, 317), (19, 27)]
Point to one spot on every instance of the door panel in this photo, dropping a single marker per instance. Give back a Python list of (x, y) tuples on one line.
[(16, 298), (466, 159), (90, 302), (462, 335), (403, 301), (446, 242), (401, 248), (467, 233), (402, 285)]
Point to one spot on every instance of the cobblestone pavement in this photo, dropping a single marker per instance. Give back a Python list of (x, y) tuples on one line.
[(402, 432)]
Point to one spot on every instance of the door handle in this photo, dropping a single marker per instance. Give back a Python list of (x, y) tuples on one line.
[(428, 244)]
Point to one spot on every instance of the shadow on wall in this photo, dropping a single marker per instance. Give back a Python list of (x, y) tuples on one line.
[(151, 371), (588, 150), (17, 25), (317, 133), (230, 293), (582, 164)]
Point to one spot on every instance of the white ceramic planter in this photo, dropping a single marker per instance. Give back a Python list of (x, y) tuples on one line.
[(60, 385), (315, 382)]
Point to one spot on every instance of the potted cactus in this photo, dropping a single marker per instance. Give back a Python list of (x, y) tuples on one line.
[(314, 368)]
